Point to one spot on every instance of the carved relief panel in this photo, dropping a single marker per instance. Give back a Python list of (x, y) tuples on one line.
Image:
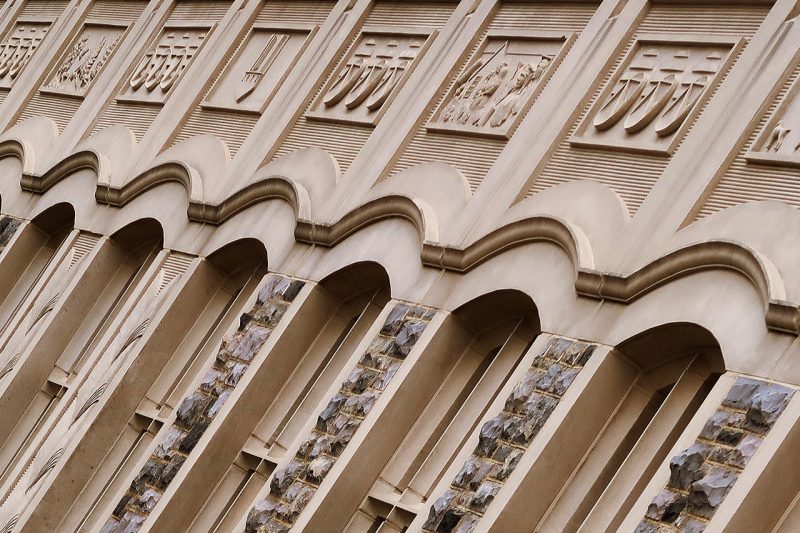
[(18, 47), (258, 68), (85, 58), (655, 92), (164, 63), (779, 142), (370, 76), (500, 83)]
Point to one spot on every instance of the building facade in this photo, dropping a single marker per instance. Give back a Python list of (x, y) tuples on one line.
[(379, 266)]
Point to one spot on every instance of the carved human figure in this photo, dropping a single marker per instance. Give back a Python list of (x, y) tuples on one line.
[(776, 137), (77, 417), (514, 100), (483, 95)]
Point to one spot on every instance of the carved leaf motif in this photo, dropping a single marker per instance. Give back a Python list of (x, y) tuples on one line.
[(45, 468), (11, 524), (9, 366), (90, 401), (46, 308)]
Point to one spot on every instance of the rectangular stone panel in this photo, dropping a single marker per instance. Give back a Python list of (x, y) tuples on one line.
[(367, 80), (702, 475), (18, 47), (504, 438), (655, 92), (84, 59), (497, 87)]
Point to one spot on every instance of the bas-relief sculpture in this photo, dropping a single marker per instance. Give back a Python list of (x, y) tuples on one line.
[(653, 95), (86, 58), (73, 423), (494, 90), (162, 65), (369, 77), (779, 142), (258, 68), (18, 47)]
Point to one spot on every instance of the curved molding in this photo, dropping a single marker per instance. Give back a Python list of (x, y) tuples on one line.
[(780, 315), (534, 229), (269, 188), (73, 163), (172, 171), (384, 208), (20, 150)]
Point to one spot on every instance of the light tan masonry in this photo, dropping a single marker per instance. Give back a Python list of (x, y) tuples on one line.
[(469, 193)]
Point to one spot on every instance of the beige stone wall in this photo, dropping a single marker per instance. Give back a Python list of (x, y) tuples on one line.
[(399, 265)]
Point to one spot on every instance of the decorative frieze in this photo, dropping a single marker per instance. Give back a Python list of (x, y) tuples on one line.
[(293, 486), (258, 68), (18, 47), (198, 409), (495, 90), (8, 227), (504, 439), (654, 92), (368, 79), (702, 475), (89, 53), (162, 65)]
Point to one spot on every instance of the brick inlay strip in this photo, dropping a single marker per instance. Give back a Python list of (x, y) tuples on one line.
[(702, 475), (293, 486), (199, 408), (505, 438)]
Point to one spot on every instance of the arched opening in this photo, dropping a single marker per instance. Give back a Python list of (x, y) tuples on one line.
[(219, 287), (330, 323), (62, 318), (26, 251), (674, 366), (496, 329)]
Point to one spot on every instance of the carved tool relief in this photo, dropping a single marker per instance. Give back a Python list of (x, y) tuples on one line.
[(85, 59), (653, 95), (494, 91), (370, 76), (73, 423), (18, 47), (779, 141), (258, 68), (162, 65)]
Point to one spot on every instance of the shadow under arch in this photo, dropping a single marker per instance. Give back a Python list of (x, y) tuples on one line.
[(480, 345), (666, 372), (238, 255)]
